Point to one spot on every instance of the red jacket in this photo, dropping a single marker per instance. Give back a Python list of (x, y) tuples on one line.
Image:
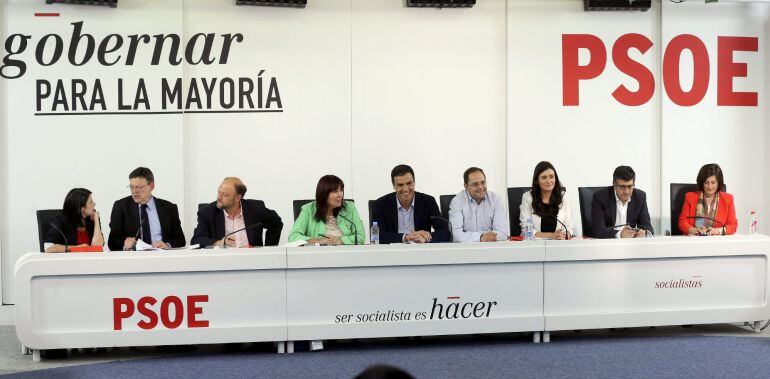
[(725, 213)]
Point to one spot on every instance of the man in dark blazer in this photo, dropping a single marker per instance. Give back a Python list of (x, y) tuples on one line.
[(230, 213), (405, 215), (160, 226), (620, 204)]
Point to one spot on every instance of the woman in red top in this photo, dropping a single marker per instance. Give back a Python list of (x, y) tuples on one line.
[(708, 211), (79, 222)]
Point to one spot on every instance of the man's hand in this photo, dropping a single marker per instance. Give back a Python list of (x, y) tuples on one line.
[(425, 235), (561, 235), (129, 243), (230, 242), (488, 237), (641, 233), (627, 232), (415, 237), (160, 245)]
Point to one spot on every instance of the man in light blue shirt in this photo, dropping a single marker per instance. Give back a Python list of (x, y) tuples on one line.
[(144, 216), (476, 214)]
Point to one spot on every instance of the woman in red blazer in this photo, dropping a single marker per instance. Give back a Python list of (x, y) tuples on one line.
[(708, 211)]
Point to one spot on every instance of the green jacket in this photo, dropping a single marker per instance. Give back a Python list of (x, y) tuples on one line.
[(307, 227)]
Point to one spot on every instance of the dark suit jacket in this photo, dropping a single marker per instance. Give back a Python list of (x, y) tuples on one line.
[(604, 209), (70, 231), (124, 223), (385, 212), (211, 224)]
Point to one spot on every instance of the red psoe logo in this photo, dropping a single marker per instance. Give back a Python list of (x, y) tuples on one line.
[(727, 69), (171, 311)]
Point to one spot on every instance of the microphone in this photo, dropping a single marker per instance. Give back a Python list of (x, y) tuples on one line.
[(224, 240), (66, 244), (566, 230), (355, 229), (451, 239)]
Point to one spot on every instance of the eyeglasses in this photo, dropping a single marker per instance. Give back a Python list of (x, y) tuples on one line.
[(623, 187), (136, 188)]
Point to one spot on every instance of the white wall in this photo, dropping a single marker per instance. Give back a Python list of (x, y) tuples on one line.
[(3, 115), (367, 85), (704, 133), (764, 217), (586, 142), (47, 156), (428, 91), (279, 156)]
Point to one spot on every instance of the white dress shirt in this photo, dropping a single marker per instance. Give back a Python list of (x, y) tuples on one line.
[(621, 215), (405, 219), (525, 212), (471, 219)]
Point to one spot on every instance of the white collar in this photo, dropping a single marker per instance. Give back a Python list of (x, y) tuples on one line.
[(398, 203)]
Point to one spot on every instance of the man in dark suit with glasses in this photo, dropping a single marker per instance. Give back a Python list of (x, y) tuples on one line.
[(620, 211), (142, 216)]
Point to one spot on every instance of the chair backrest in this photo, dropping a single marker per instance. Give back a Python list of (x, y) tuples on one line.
[(201, 205), (298, 207), (299, 203), (371, 207), (586, 196), (445, 201), (678, 190), (44, 219), (514, 202)]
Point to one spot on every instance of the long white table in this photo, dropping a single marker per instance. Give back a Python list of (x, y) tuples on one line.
[(319, 293), (414, 290), (655, 281), (150, 298)]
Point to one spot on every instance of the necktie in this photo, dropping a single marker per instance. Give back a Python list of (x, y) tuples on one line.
[(146, 236)]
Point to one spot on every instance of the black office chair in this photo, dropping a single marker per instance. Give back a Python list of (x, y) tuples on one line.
[(44, 219), (445, 201), (514, 203), (678, 190), (201, 205), (299, 203), (586, 196), (371, 207)]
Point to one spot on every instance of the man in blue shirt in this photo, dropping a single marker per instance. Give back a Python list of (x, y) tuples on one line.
[(477, 215), (143, 216)]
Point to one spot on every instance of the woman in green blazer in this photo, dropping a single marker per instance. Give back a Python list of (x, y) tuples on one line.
[(329, 219)]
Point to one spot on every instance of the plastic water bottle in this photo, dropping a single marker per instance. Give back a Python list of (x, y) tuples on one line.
[(753, 226), (375, 234), (529, 230)]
